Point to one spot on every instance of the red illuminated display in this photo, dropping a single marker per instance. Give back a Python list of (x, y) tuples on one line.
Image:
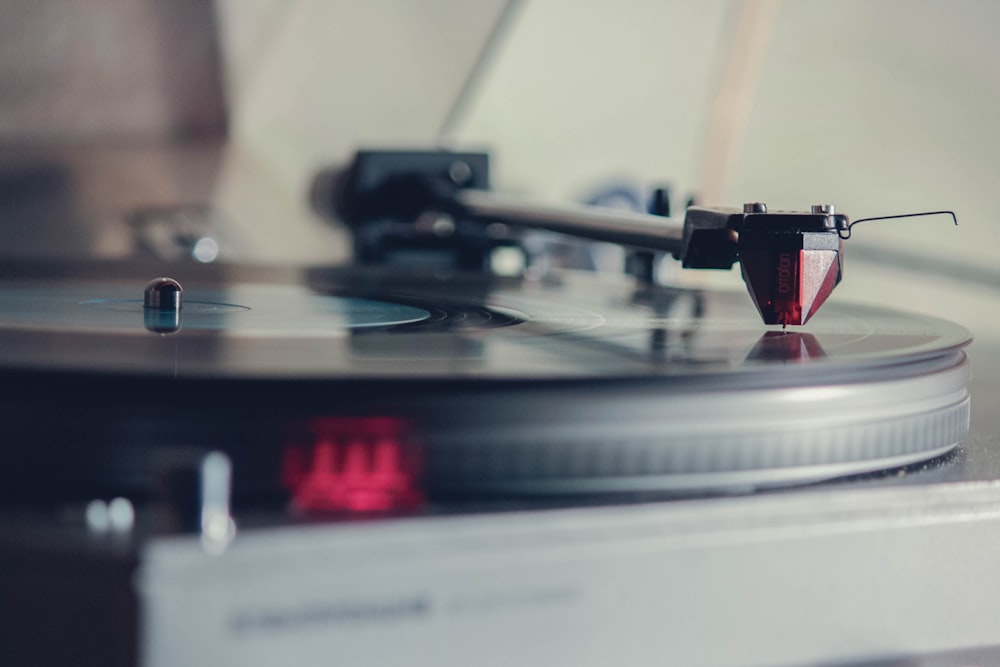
[(353, 465)]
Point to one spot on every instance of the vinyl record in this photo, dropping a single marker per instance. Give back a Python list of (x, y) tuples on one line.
[(344, 324), (576, 384)]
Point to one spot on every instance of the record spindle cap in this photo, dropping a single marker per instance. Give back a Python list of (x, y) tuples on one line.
[(163, 294)]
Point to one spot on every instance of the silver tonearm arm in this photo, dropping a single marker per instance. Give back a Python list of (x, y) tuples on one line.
[(611, 225)]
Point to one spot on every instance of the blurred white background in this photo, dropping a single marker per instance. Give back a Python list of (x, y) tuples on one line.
[(877, 106)]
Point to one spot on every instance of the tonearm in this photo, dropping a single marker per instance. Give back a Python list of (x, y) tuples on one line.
[(790, 261)]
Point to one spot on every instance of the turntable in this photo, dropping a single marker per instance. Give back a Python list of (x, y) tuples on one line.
[(361, 461)]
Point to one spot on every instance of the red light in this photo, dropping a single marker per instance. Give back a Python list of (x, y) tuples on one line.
[(353, 465)]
